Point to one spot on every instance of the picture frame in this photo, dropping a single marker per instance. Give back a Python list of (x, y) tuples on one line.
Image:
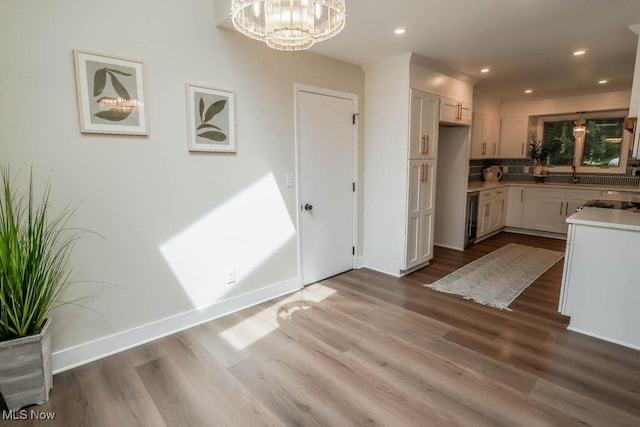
[(211, 119), (111, 94)]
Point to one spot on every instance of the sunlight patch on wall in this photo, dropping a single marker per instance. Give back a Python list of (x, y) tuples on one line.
[(245, 333), (242, 233)]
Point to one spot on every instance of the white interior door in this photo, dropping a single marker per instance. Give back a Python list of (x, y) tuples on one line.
[(326, 176)]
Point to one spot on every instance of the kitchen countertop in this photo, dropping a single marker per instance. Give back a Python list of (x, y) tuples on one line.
[(481, 185), (607, 218)]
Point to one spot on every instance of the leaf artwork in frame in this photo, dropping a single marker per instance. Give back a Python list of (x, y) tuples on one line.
[(211, 119), (110, 94)]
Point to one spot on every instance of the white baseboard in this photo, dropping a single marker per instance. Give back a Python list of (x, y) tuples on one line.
[(622, 343), (528, 232), (358, 262), (81, 354), (448, 247), (381, 271)]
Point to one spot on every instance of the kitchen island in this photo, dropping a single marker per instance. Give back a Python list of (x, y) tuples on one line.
[(601, 277)]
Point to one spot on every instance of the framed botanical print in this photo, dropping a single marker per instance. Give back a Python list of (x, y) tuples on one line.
[(111, 95), (211, 119)]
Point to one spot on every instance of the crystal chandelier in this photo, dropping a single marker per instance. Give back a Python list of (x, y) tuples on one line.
[(288, 24)]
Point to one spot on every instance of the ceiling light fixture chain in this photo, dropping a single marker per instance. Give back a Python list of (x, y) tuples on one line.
[(289, 24)]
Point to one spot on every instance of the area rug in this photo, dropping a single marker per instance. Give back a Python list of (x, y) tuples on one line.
[(498, 278)]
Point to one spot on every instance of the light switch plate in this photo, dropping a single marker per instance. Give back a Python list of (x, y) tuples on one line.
[(505, 169), (290, 182), (525, 169), (230, 275)]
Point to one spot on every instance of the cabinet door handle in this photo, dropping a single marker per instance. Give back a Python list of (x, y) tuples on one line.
[(522, 196), (566, 209), (425, 172), (494, 148), (522, 151), (460, 111), (484, 148), (502, 206), (422, 145), (427, 143), (561, 206)]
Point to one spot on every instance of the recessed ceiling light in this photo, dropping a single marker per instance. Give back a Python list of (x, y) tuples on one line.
[(603, 81), (579, 52), (528, 91), (399, 31), (485, 70)]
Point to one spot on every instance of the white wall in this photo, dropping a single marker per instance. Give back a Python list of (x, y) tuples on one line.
[(147, 195), (387, 138), (485, 104), (618, 100)]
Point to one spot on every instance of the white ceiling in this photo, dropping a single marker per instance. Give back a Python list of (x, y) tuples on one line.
[(527, 43)]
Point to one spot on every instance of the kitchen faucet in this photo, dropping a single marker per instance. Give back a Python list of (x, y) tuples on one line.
[(574, 178)]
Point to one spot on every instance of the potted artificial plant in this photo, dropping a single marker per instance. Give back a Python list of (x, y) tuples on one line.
[(538, 153), (34, 270)]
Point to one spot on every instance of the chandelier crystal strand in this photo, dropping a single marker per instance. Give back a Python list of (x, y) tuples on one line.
[(288, 24)]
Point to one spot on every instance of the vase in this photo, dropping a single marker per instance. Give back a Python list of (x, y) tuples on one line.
[(537, 169)]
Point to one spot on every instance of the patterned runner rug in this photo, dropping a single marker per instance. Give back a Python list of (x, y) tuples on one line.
[(498, 278)]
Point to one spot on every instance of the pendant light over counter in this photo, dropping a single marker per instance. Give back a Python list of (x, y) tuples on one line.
[(579, 126), (289, 25)]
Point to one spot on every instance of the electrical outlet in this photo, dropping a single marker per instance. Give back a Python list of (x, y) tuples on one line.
[(231, 275), (505, 169), (525, 169)]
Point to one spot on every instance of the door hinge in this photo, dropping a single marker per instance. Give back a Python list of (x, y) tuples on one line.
[(354, 118), (353, 250), (354, 187)]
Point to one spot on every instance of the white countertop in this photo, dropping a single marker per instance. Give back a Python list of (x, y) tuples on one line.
[(481, 185), (607, 218)]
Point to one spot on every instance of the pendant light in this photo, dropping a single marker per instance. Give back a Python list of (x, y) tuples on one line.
[(288, 24), (579, 126)]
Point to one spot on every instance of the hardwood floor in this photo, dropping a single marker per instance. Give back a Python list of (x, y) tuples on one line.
[(364, 348)]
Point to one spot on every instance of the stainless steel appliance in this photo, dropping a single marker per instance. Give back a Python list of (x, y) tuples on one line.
[(472, 219)]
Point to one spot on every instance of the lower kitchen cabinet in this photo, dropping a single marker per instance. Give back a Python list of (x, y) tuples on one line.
[(420, 212), (515, 203), (492, 211), (547, 209)]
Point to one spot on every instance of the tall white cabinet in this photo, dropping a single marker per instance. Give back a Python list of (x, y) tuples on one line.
[(423, 138), (401, 162)]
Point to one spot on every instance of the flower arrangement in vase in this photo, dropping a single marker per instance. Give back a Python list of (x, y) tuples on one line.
[(538, 152)]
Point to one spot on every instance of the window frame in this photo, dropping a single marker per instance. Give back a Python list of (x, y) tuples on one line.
[(579, 147)]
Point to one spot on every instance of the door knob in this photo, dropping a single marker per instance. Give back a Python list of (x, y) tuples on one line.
[(308, 207)]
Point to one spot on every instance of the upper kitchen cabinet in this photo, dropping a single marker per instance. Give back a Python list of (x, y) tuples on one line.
[(485, 136), (514, 135), (455, 111), (423, 125)]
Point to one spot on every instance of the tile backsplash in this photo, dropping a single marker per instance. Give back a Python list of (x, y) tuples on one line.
[(516, 173)]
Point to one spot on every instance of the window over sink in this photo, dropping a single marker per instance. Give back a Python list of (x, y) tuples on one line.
[(601, 145)]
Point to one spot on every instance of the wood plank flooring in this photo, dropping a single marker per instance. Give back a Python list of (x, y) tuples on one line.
[(364, 348)]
